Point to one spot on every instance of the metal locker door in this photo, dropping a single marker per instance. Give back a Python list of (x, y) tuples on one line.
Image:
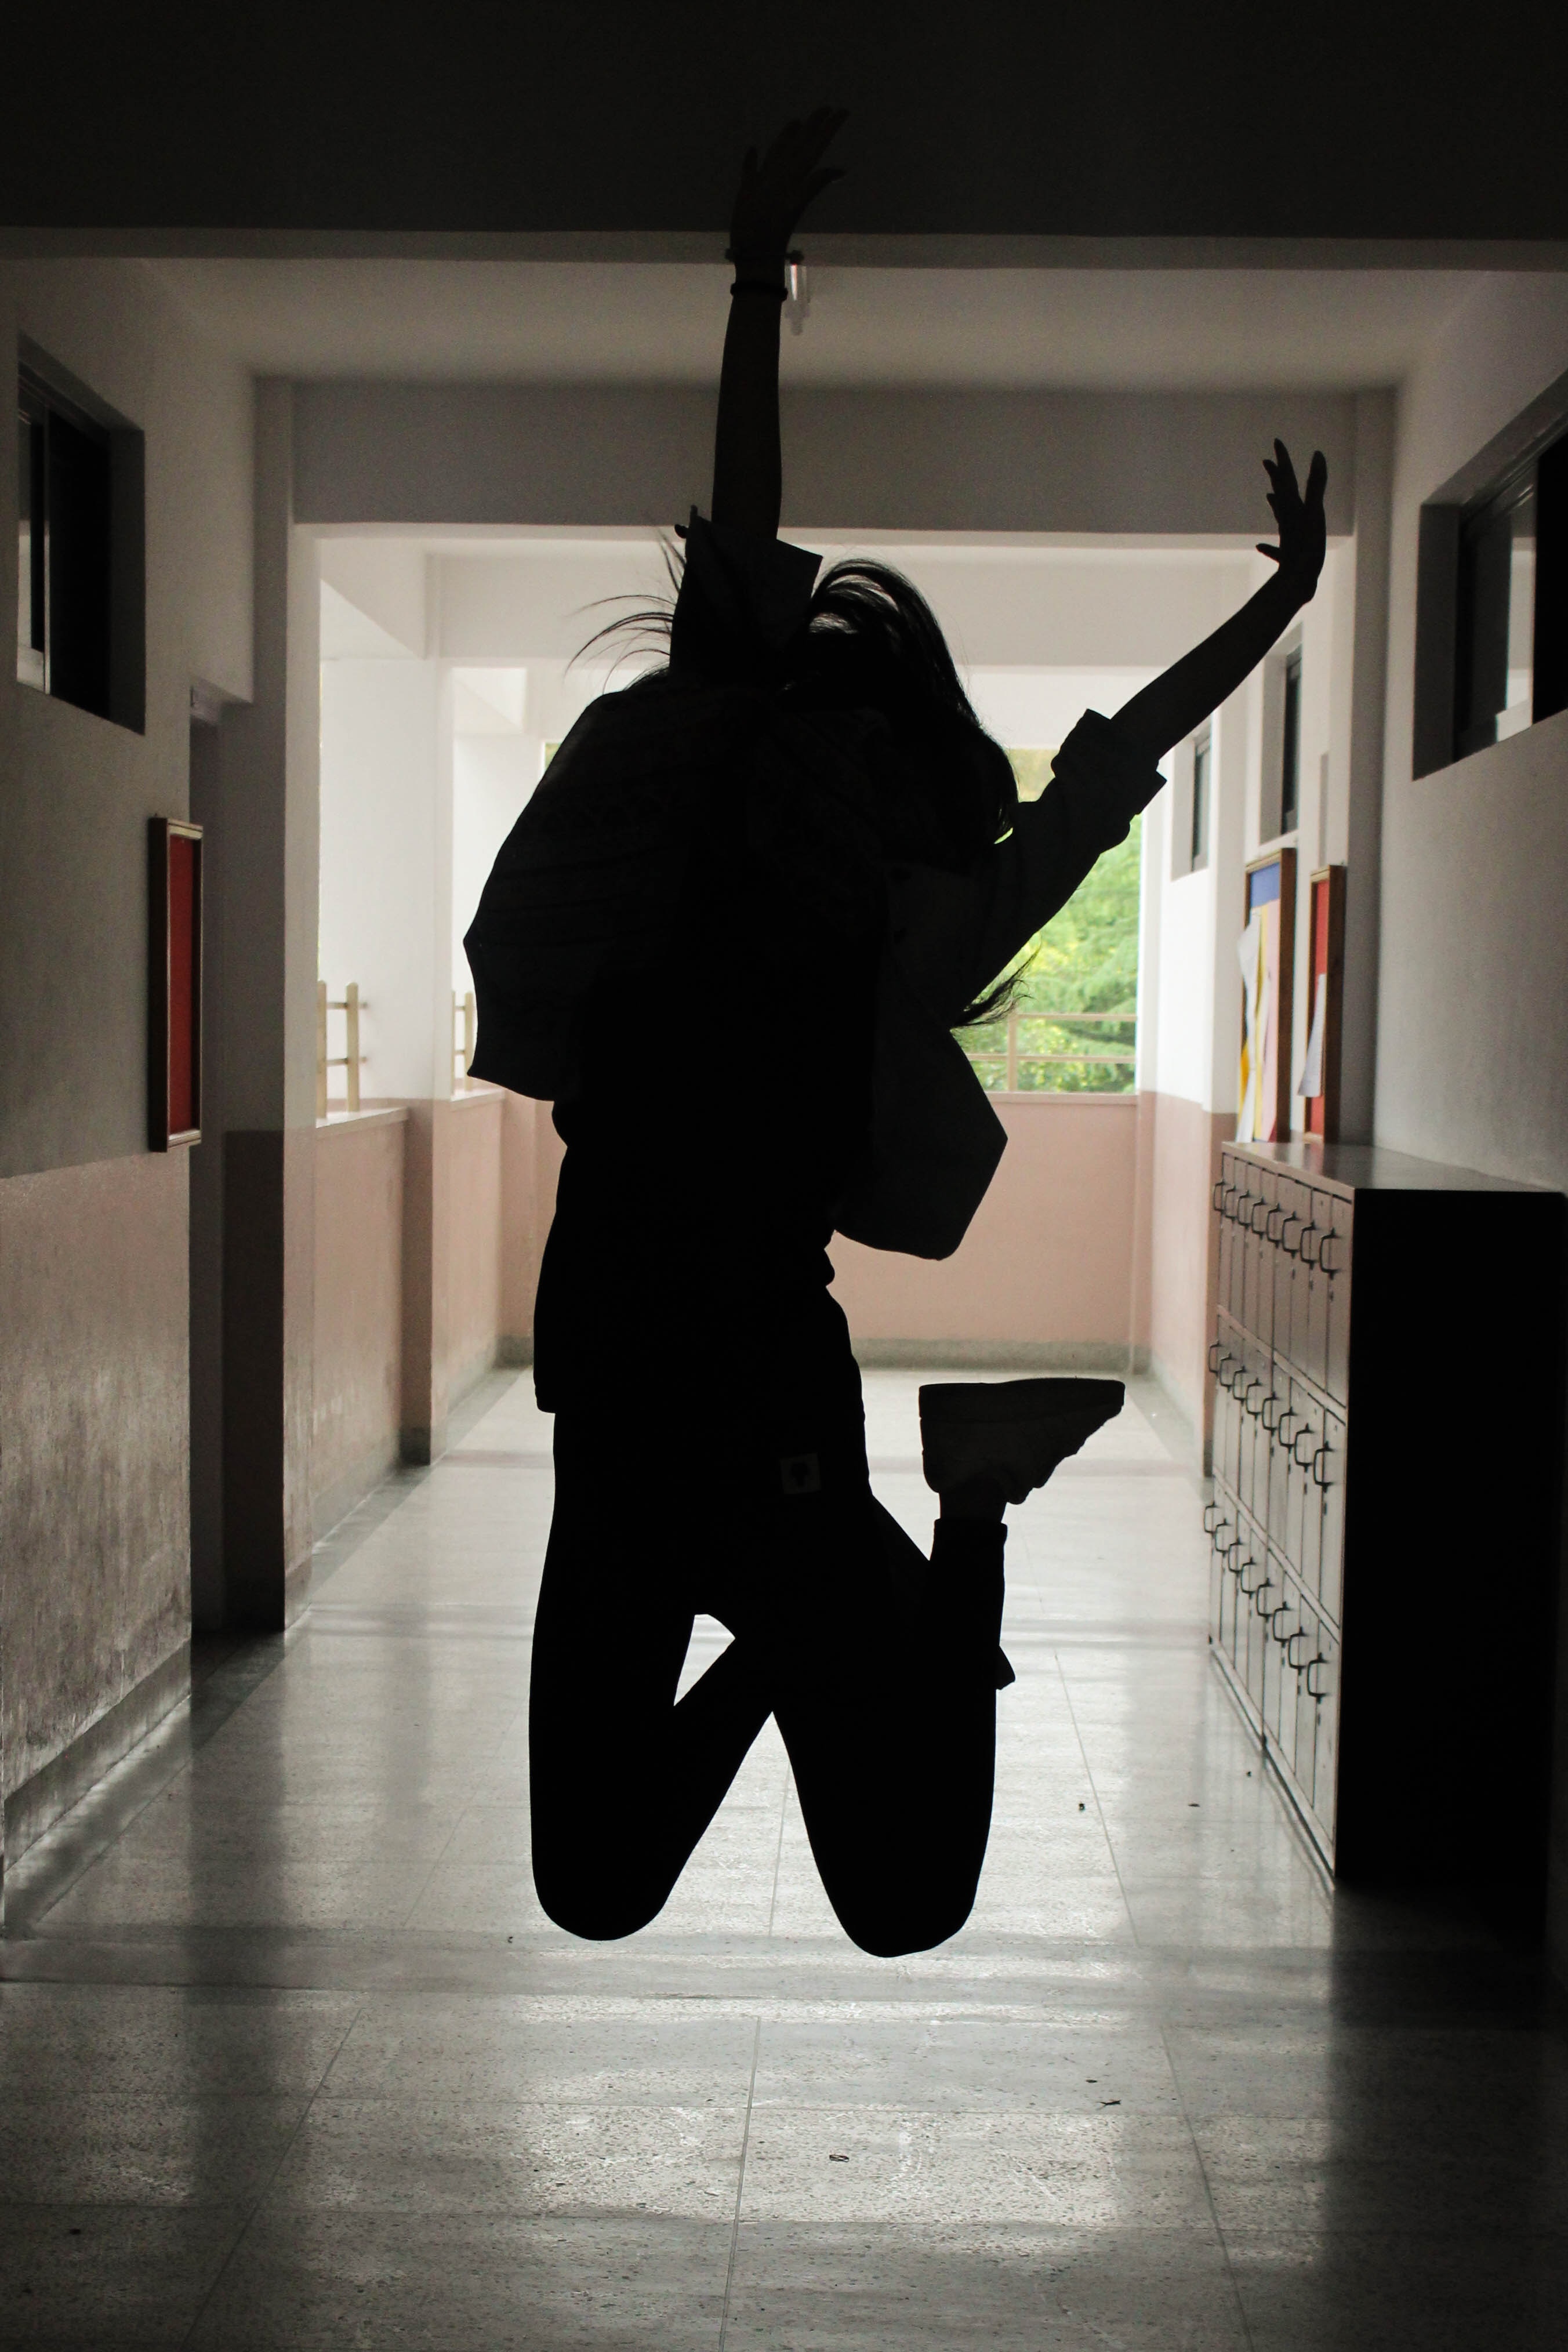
[(1236, 1187), (1266, 1222), (1334, 1257), (1226, 1360), (1226, 1230), (1251, 1390), (1302, 1648), (1320, 1680), (1284, 1624), (1306, 1512), (1293, 1214), (1314, 1354), (1260, 1582), (1328, 1473), (1276, 1615), (1282, 1415), (1296, 1420), (1219, 1523)]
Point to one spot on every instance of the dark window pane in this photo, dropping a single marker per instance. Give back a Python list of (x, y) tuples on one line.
[(30, 547), (1290, 750), (1551, 646), (1497, 619), (78, 488), (1200, 840)]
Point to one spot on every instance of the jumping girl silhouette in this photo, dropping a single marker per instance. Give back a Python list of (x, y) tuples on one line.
[(729, 939)]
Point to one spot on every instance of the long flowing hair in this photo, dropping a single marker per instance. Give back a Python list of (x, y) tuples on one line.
[(870, 644)]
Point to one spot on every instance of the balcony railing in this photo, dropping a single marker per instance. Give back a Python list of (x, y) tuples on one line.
[(1018, 1062), (351, 1061)]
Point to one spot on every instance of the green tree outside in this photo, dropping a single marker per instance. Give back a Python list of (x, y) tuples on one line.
[(1084, 963)]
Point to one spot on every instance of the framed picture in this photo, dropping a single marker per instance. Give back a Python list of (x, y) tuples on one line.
[(1266, 953), (1320, 1086), (173, 982)]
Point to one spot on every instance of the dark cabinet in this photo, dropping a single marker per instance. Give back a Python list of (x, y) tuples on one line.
[(1388, 1371)]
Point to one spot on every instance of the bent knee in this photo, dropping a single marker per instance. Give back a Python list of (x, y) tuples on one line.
[(597, 1913)]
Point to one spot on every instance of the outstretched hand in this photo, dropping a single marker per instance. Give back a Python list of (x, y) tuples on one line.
[(1298, 519), (774, 192)]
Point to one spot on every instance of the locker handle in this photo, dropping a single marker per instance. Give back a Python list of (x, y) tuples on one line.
[(1210, 1521), (1311, 1690), (1219, 1527), (1216, 1194), (1272, 1398), (1284, 1434), (1253, 1225), (1323, 1454), (1247, 1403), (1228, 1208), (1301, 1635), (1308, 1256), (1274, 1616), (1296, 1455), (1327, 1264), (1291, 1248), (1255, 1594), (1216, 1354), (1268, 1224)]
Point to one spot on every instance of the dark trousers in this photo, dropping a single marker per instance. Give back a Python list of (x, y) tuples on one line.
[(879, 1667)]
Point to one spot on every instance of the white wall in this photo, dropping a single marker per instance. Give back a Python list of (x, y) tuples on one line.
[(386, 867), (1473, 1009), (620, 455), (76, 791), (492, 776)]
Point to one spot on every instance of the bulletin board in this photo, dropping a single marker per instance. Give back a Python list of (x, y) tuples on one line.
[(174, 983), (1266, 953), (1320, 1086)]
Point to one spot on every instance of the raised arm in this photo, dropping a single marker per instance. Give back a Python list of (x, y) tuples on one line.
[(1183, 696), (747, 468)]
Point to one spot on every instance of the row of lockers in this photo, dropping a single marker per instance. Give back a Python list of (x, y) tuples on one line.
[(1283, 1658), (1284, 1268), (1280, 1448)]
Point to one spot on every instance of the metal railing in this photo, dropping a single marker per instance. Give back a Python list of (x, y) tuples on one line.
[(1012, 1057), (351, 1061), (462, 1047)]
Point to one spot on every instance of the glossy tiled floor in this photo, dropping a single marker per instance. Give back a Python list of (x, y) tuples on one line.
[(288, 2055)]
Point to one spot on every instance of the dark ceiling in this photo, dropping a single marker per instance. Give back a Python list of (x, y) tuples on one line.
[(1380, 119)]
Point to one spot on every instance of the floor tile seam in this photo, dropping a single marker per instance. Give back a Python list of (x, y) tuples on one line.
[(778, 1849), (1094, 1792), (265, 2188), (740, 2187), (1231, 2279)]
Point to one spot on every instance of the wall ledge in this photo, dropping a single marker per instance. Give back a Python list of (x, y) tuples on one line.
[(336, 1122), (998, 1355)]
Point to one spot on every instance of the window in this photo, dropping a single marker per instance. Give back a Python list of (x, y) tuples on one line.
[(1072, 1026), (1491, 629), (1291, 746), (80, 619), (1203, 764)]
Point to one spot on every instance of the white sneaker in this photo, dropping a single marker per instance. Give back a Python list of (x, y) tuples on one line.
[(1008, 1435)]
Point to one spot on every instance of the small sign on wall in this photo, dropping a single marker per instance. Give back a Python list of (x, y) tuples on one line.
[(173, 982)]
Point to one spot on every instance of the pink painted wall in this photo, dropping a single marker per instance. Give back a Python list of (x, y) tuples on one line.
[(471, 1126), (530, 1162), (358, 1317), (1048, 1264), (1046, 1269), (1183, 1255), (94, 1473)]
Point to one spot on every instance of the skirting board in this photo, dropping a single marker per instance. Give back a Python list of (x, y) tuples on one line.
[(1000, 1355), (39, 1803)]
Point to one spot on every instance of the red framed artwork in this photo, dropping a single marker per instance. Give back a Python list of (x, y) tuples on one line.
[(1266, 953), (174, 983), (1320, 1086)]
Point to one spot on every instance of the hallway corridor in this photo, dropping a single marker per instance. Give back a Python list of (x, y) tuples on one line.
[(290, 2056)]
